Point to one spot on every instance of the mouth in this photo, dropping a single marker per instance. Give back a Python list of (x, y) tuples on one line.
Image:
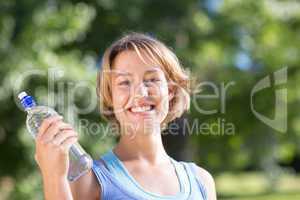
[(142, 109)]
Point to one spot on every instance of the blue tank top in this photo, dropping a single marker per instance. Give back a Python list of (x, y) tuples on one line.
[(117, 183)]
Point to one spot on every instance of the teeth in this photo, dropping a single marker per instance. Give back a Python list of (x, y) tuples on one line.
[(141, 109)]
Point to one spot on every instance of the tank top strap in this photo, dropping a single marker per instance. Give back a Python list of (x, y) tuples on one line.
[(183, 176), (99, 170), (196, 182)]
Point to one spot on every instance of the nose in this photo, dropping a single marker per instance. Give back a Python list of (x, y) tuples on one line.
[(141, 91)]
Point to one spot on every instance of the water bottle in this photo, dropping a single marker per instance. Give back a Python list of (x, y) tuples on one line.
[(80, 161)]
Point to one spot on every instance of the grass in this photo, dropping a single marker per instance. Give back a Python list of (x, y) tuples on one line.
[(255, 186), (275, 196)]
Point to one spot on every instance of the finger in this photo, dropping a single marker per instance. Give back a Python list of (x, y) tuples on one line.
[(53, 130), (67, 127), (63, 135), (46, 123), (67, 143)]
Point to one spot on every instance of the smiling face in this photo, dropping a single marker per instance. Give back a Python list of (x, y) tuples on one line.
[(140, 93)]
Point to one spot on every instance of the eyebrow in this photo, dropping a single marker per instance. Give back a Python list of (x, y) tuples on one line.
[(130, 74)]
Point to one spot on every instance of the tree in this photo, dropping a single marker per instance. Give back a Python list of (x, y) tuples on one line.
[(230, 45)]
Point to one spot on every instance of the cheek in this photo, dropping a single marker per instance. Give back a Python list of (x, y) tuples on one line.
[(120, 99), (163, 99), (159, 90)]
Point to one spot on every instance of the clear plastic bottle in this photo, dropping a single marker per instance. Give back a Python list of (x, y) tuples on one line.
[(80, 161)]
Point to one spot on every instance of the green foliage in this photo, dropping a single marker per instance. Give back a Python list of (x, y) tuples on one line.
[(71, 35)]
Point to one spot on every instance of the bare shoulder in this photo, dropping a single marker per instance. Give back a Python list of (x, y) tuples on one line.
[(86, 187), (208, 181)]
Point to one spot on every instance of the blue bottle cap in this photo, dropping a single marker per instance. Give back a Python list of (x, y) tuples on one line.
[(26, 100)]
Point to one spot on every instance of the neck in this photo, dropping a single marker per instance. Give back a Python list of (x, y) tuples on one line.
[(147, 147)]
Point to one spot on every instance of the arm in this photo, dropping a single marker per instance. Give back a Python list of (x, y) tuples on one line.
[(86, 187), (57, 188), (208, 182), (52, 155)]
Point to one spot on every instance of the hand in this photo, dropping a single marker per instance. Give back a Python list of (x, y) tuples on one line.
[(53, 142)]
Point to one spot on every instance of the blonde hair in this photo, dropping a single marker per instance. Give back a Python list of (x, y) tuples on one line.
[(158, 53)]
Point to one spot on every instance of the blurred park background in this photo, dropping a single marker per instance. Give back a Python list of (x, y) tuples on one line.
[(219, 41)]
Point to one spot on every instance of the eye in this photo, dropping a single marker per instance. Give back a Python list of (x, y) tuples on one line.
[(153, 80), (127, 82)]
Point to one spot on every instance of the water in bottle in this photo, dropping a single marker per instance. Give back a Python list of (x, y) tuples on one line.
[(80, 161)]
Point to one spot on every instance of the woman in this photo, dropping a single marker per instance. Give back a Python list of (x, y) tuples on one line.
[(142, 87)]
